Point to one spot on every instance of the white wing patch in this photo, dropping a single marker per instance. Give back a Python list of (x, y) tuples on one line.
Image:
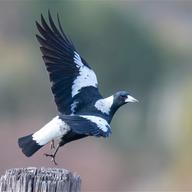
[(100, 122), (77, 59), (56, 128), (104, 105), (85, 78), (73, 106)]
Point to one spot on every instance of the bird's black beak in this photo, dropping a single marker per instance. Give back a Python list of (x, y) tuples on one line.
[(130, 99)]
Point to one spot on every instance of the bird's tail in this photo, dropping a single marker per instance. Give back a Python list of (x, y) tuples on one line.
[(28, 145), (56, 128)]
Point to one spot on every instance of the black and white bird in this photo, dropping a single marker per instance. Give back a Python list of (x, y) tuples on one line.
[(82, 111)]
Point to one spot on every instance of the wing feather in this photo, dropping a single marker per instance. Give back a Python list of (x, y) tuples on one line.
[(88, 125), (68, 72)]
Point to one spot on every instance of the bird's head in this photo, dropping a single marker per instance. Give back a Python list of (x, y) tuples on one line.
[(110, 104), (123, 97)]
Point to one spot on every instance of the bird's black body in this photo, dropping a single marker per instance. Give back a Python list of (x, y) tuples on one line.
[(71, 136), (82, 110)]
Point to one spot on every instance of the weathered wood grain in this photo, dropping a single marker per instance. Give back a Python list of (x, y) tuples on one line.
[(33, 179)]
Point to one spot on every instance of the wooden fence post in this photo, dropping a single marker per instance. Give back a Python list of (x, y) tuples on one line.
[(33, 179)]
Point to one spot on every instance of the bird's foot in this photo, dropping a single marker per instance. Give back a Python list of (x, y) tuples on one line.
[(52, 157)]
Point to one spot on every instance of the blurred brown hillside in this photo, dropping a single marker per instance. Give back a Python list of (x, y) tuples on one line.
[(140, 46)]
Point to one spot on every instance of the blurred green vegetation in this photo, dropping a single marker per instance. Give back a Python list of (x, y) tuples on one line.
[(129, 49)]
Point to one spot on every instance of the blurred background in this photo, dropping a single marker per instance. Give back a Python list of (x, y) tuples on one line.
[(140, 46)]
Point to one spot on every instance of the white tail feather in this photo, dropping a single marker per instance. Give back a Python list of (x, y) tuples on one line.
[(55, 129)]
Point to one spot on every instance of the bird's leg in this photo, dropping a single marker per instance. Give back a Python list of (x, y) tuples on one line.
[(52, 145), (53, 155)]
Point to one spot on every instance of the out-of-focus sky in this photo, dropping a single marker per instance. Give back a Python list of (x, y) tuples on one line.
[(140, 46)]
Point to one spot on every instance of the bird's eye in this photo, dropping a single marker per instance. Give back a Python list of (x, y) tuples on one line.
[(123, 96)]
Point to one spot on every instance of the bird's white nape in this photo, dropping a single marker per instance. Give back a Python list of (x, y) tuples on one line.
[(85, 78), (56, 128), (104, 105)]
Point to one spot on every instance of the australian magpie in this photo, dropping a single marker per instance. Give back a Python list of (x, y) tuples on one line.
[(82, 111)]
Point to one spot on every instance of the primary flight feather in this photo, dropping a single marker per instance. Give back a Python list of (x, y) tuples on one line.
[(82, 110)]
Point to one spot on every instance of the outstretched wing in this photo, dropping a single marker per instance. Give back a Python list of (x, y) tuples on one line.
[(87, 125), (69, 73)]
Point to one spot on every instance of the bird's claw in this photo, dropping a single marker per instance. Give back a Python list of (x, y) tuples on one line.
[(52, 157)]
